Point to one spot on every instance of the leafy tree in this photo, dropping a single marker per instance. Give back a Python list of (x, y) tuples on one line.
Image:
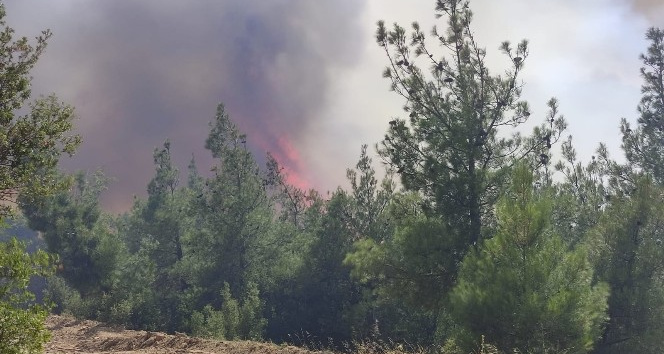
[(21, 319), (208, 323), (452, 154), (455, 148), (397, 257), (252, 323), (17, 227), (321, 234), (525, 289), (644, 146), (285, 255), (65, 299), (154, 218), (381, 313), (30, 147), (337, 305), (91, 260)]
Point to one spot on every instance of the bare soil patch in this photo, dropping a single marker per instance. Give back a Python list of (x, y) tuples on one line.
[(70, 335)]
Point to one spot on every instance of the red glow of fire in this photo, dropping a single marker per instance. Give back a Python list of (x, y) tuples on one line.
[(281, 149), (289, 158)]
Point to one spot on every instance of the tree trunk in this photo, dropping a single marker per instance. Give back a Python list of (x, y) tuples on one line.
[(474, 205)]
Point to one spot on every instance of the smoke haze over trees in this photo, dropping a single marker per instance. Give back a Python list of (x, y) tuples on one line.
[(290, 72), (145, 70), (485, 228)]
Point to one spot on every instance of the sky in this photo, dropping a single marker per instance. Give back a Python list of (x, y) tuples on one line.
[(302, 78)]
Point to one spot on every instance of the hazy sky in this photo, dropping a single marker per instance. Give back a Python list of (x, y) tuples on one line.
[(303, 77)]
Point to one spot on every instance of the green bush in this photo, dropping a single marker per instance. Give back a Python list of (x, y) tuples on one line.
[(252, 324), (22, 327), (208, 324), (233, 320), (65, 299)]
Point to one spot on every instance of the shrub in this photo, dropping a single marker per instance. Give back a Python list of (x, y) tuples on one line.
[(233, 320), (22, 327)]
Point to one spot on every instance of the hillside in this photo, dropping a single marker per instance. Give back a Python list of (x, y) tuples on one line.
[(70, 335)]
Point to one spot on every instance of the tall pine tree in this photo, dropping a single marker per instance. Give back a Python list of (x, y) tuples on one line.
[(458, 141), (644, 145)]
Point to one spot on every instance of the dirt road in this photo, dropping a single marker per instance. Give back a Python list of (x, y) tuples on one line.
[(70, 335)]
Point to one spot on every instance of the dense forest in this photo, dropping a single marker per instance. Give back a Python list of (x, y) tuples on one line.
[(475, 232)]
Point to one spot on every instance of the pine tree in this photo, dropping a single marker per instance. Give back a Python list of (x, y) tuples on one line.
[(369, 201), (525, 289), (234, 211), (156, 229), (75, 229), (452, 155), (456, 147), (644, 145), (581, 195), (626, 249)]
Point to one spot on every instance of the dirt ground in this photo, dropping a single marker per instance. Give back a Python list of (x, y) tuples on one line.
[(70, 335)]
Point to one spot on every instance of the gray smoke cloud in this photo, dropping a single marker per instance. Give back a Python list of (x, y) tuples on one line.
[(139, 72), (302, 77), (653, 10)]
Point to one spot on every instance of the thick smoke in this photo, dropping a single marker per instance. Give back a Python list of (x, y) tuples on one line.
[(653, 10), (139, 72)]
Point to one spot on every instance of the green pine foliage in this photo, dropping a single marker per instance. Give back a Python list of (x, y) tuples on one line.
[(628, 255), (413, 265), (30, 148), (525, 289), (73, 227), (208, 323), (480, 247), (234, 320), (644, 146), (453, 152), (457, 144), (65, 299), (626, 243), (580, 197), (21, 318), (234, 209), (30, 145)]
